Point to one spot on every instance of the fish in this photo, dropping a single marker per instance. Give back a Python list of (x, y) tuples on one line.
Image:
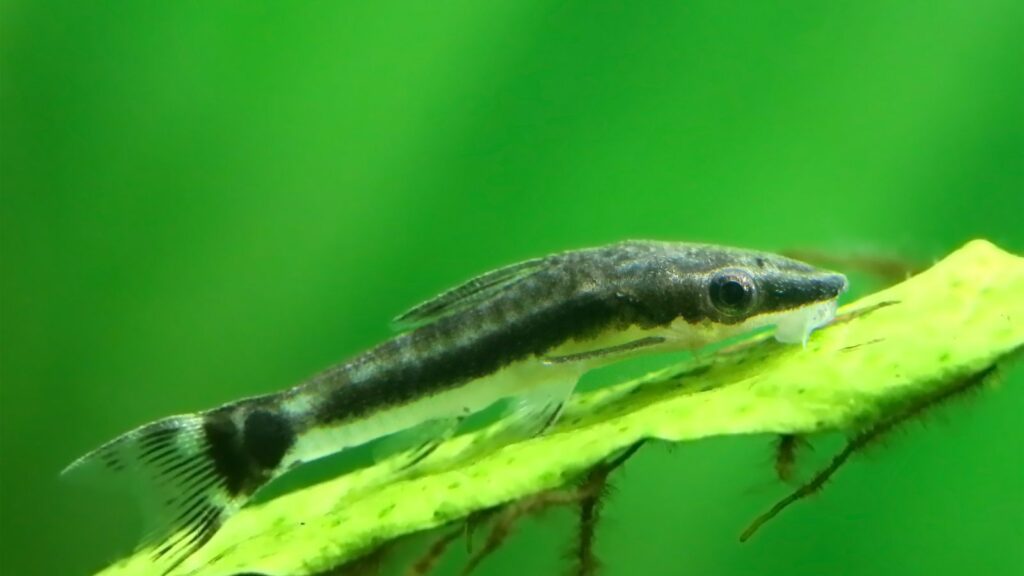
[(524, 333)]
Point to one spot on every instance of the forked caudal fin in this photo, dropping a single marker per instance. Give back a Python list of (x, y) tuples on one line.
[(192, 473)]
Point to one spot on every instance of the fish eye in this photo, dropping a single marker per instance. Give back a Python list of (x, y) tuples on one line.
[(732, 292)]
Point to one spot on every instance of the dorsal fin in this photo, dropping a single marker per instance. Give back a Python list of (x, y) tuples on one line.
[(472, 292)]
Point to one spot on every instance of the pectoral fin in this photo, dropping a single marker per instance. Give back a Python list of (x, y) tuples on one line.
[(616, 350)]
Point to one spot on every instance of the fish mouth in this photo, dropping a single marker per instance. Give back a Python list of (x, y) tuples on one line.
[(796, 325)]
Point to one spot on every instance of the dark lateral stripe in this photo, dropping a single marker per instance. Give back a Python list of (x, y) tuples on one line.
[(571, 296), (440, 368)]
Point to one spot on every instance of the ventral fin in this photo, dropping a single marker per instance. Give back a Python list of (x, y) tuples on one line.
[(537, 411), (411, 446), (470, 293), (606, 352)]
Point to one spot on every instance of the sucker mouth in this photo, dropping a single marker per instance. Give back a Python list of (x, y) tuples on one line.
[(796, 326)]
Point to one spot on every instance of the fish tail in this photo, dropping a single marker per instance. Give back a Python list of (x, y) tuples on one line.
[(194, 471)]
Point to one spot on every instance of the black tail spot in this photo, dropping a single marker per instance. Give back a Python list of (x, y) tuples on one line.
[(223, 448), (267, 437), (246, 458)]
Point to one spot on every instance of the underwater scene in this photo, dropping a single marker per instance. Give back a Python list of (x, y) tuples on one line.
[(516, 287)]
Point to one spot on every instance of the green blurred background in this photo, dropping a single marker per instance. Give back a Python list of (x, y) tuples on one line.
[(202, 201)]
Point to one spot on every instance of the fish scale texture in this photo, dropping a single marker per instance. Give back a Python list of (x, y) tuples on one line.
[(902, 344)]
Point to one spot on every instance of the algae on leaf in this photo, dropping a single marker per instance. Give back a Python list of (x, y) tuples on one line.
[(887, 354)]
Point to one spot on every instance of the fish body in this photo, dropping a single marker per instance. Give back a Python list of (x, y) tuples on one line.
[(525, 332)]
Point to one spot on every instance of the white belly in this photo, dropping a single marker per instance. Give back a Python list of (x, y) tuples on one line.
[(517, 379)]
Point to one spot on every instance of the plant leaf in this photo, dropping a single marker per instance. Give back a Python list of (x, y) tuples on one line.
[(961, 317)]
